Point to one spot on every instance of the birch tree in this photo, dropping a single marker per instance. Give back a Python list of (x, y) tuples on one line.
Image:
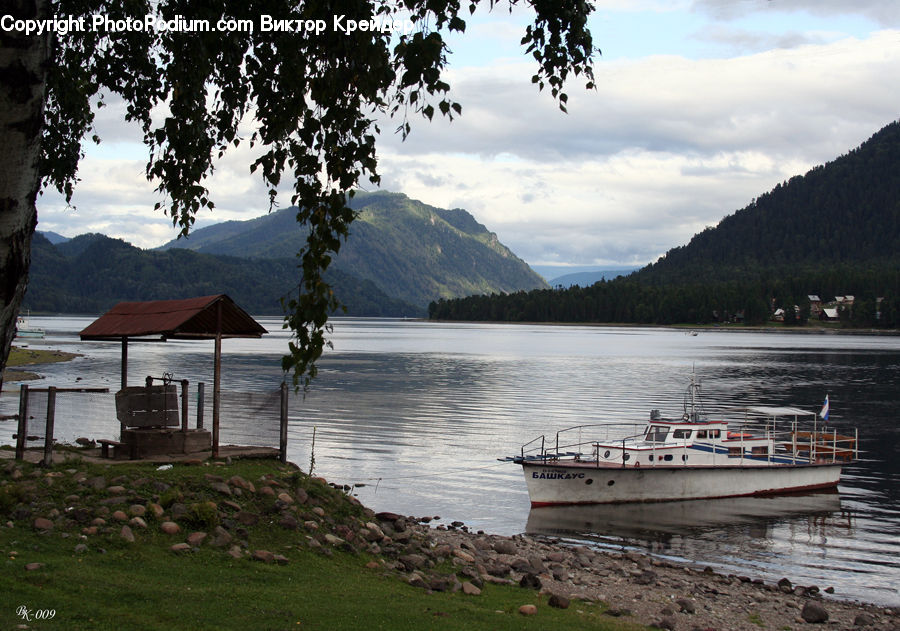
[(316, 75)]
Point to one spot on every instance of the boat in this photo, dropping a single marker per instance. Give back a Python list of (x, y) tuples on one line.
[(23, 329), (760, 451)]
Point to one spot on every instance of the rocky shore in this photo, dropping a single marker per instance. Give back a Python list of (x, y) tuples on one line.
[(649, 591), (212, 508)]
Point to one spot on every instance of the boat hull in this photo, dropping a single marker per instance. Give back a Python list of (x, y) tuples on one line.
[(551, 484)]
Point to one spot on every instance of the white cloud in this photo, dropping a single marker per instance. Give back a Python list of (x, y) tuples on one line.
[(665, 146)]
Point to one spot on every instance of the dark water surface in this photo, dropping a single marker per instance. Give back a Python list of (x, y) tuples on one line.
[(419, 412)]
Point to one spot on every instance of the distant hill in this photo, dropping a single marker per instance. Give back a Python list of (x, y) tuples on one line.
[(53, 237), (90, 273), (409, 250), (833, 231), (586, 279)]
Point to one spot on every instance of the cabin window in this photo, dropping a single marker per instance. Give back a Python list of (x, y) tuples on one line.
[(735, 452), (681, 433), (715, 433), (667, 457), (657, 434), (761, 450), (701, 433)]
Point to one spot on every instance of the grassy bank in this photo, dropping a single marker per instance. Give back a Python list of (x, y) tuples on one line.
[(69, 525), (19, 357)]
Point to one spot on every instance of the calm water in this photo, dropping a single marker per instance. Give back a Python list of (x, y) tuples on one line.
[(416, 414)]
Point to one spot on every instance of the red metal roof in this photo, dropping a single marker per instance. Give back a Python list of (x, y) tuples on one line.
[(191, 318)]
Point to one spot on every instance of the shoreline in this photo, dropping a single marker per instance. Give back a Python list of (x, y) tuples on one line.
[(657, 592)]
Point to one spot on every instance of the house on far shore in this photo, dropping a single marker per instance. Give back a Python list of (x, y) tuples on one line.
[(829, 313), (815, 305)]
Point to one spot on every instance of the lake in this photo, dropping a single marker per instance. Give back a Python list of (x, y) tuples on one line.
[(414, 415)]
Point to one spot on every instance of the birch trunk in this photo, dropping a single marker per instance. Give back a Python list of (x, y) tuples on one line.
[(23, 62)]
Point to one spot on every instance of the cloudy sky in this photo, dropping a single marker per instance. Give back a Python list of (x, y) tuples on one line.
[(700, 106)]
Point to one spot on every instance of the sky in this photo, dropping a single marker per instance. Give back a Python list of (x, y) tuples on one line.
[(700, 106)]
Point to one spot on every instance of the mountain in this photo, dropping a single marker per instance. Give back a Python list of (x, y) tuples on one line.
[(834, 231), (846, 212), (53, 237), (586, 279), (409, 250), (90, 273)]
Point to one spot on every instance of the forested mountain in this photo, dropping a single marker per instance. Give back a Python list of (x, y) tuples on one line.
[(409, 250), (401, 254), (92, 272), (832, 232)]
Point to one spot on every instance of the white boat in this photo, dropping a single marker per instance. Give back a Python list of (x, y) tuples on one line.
[(764, 451), (23, 329)]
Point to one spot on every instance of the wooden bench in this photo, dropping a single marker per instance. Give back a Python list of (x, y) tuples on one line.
[(105, 444)]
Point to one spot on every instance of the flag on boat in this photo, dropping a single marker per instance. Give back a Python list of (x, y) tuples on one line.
[(824, 412)]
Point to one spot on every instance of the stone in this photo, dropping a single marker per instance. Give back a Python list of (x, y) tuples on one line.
[(785, 586), (528, 610), (118, 489), (137, 522), (98, 483), (267, 490), (180, 548), (127, 534), (465, 556), (665, 622), (286, 498), (301, 495), (558, 601), (119, 515), (155, 509), (263, 556), (685, 605), (247, 518), (136, 510), (530, 581), (43, 524), (280, 559), (505, 546), (863, 620), (196, 538), (813, 612), (412, 561), (288, 522), (170, 527), (333, 539), (221, 487), (221, 537), (470, 590), (80, 548), (30, 567)]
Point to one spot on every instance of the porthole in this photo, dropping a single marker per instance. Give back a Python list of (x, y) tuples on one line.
[(610, 483), (606, 454), (626, 457), (651, 457), (668, 457), (589, 481), (684, 457)]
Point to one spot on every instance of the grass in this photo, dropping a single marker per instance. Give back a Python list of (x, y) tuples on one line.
[(143, 585), (28, 357)]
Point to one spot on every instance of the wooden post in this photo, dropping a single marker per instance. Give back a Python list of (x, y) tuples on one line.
[(282, 447), (124, 362), (184, 405), (48, 434), (23, 421), (217, 379), (201, 394)]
